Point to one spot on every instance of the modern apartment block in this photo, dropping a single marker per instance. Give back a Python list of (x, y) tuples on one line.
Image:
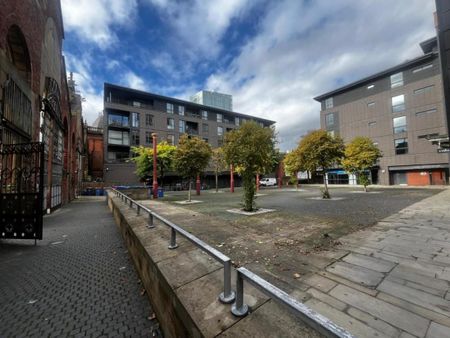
[(131, 116), (213, 99), (402, 110)]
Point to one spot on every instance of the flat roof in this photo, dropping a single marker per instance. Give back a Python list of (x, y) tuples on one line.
[(183, 102), (378, 75)]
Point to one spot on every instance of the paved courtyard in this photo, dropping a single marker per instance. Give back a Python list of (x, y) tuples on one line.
[(77, 282), (386, 277)]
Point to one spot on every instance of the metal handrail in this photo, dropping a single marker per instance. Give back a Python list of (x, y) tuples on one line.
[(228, 295), (307, 315)]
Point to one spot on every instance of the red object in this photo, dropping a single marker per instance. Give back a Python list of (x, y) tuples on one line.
[(257, 182), (280, 175), (197, 184), (231, 178), (155, 173)]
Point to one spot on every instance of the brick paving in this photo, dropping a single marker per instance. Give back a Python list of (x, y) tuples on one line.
[(77, 282)]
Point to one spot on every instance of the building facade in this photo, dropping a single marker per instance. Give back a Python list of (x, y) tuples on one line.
[(131, 116), (213, 99), (402, 110), (35, 100)]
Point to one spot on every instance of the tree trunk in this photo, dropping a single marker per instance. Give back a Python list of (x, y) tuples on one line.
[(365, 188), (326, 193), (217, 181), (189, 191)]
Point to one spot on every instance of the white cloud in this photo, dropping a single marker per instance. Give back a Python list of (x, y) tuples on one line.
[(95, 20), (304, 49), (134, 81)]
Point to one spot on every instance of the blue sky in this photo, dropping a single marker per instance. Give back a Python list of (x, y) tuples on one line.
[(272, 56)]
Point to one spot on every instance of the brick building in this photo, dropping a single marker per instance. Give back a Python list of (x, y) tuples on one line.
[(36, 101)]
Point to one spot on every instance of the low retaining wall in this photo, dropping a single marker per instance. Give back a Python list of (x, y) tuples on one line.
[(183, 286)]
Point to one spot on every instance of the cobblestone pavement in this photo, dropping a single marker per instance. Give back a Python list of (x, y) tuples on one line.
[(77, 282)]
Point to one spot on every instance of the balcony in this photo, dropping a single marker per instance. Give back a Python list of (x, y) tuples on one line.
[(194, 115), (132, 103)]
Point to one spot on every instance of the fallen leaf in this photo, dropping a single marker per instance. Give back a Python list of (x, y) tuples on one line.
[(296, 275)]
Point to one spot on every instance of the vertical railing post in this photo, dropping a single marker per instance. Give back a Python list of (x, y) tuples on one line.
[(239, 309), (131, 203), (173, 239), (138, 209), (150, 225), (227, 296)]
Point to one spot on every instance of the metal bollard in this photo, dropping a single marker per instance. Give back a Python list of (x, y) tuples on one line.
[(228, 295), (150, 225), (239, 309), (173, 239), (138, 209)]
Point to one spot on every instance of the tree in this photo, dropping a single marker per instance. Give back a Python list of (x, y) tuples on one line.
[(360, 155), (191, 157), (292, 165), (250, 149), (144, 160), (218, 164), (319, 150)]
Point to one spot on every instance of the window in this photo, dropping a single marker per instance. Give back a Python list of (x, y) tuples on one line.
[(424, 90), (375, 144), (170, 123), (397, 80), (204, 115), (236, 121), (371, 86), (426, 112), (398, 103), (331, 133), (419, 69), (118, 120), (169, 108), (428, 136), (135, 120), (399, 124), (401, 146), (148, 137), (135, 139), (118, 137), (181, 110), (329, 103), (372, 123), (219, 118), (171, 139), (205, 127), (136, 104), (370, 104), (117, 155), (148, 120), (329, 119), (182, 126), (219, 131)]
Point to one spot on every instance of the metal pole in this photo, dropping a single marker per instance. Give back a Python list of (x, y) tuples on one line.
[(131, 203), (150, 221), (227, 296), (155, 173), (239, 309), (138, 209), (173, 239), (231, 178)]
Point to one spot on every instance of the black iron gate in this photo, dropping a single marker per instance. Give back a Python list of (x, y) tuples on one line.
[(21, 190)]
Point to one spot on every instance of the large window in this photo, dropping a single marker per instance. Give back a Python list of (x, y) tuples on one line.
[(329, 119), (423, 90), (204, 115), (135, 139), (169, 108), (118, 120), (135, 120), (401, 146), (397, 80), (148, 120), (171, 139), (399, 124), (219, 131), (148, 137), (398, 103), (205, 127), (182, 126), (219, 118), (170, 123), (329, 103), (426, 112), (118, 155), (118, 137), (181, 110), (236, 121)]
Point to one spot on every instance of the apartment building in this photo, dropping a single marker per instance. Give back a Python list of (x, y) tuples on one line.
[(213, 99), (402, 110), (131, 116)]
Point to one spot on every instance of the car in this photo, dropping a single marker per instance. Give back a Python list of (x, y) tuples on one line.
[(267, 182)]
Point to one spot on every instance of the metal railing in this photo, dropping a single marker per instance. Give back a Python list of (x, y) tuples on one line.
[(239, 308), (228, 295)]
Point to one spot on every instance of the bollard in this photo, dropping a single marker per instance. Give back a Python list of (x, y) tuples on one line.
[(138, 209), (150, 225), (173, 239), (239, 309), (227, 296)]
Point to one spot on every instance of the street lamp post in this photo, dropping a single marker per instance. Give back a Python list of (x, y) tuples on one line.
[(155, 173), (257, 182)]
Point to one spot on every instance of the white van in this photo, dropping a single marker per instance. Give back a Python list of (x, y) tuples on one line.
[(267, 182)]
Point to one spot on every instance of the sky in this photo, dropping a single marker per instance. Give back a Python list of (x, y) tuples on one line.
[(272, 56)]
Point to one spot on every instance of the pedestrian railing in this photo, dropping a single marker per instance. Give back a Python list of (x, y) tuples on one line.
[(239, 308)]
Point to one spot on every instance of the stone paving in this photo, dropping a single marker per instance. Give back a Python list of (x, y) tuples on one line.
[(77, 282)]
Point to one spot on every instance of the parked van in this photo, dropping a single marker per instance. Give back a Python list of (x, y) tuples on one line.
[(267, 182)]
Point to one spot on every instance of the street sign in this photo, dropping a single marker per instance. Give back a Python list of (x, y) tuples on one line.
[(443, 150)]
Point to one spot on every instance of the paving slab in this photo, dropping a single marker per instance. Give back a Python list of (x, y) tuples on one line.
[(368, 262), (438, 331), (356, 273)]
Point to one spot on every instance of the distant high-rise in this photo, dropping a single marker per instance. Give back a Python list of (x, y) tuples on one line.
[(213, 99)]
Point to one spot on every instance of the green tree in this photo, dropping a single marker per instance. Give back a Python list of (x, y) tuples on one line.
[(218, 163), (292, 165), (191, 157), (144, 160), (251, 150), (319, 150), (360, 155)]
